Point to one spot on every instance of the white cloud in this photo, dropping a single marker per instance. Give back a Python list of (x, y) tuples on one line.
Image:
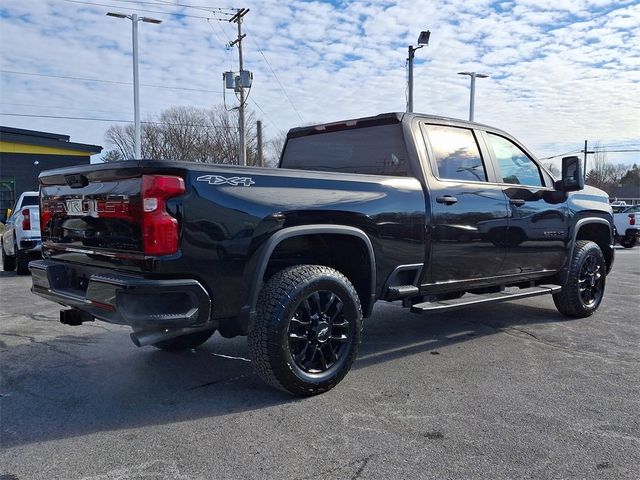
[(561, 70)]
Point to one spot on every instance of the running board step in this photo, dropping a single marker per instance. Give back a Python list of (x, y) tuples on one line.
[(498, 297), (402, 291)]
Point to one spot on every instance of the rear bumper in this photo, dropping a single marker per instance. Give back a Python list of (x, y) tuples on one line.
[(31, 244), (142, 303), (632, 232)]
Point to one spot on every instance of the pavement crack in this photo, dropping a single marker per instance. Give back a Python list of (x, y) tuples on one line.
[(33, 340), (361, 468), (521, 333)]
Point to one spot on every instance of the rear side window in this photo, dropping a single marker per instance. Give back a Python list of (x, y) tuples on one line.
[(456, 153), (515, 165), (378, 150), (29, 200)]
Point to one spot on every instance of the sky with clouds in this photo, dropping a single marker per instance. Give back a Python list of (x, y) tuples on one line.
[(562, 71)]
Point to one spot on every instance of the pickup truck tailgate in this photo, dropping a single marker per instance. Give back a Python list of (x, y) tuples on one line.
[(115, 214)]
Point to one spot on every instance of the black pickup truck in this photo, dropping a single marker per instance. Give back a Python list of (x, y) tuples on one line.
[(433, 212)]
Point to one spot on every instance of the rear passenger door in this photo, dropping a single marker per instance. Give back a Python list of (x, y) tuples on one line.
[(468, 214)]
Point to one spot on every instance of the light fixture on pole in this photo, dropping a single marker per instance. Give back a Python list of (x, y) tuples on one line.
[(423, 40), (136, 82), (472, 95)]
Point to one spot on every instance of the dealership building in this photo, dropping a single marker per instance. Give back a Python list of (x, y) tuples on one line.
[(26, 153)]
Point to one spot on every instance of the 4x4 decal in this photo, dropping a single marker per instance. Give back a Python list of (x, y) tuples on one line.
[(218, 180)]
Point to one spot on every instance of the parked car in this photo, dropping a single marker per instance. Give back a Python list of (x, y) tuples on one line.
[(627, 226), (393, 207), (21, 236), (618, 206)]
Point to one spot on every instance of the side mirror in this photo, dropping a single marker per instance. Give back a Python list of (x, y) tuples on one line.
[(572, 178)]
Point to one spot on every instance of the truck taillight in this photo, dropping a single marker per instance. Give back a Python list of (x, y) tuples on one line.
[(632, 219), (26, 219), (160, 234)]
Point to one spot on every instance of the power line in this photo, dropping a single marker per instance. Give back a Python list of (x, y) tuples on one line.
[(33, 105), (279, 83), (265, 114), (145, 10), (100, 80), (560, 155), (181, 5), (116, 120), (622, 151)]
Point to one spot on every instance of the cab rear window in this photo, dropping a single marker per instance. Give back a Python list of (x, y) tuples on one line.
[(376, 150)]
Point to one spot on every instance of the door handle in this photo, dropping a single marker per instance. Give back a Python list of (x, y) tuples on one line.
[(516, 202), (447, 199)]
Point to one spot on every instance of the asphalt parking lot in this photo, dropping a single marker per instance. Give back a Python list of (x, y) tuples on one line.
[(506, 391)]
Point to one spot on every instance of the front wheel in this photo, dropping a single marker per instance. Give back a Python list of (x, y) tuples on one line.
[(581, 295), (8, 261), (307, 329), (22, 263), (628, 242)]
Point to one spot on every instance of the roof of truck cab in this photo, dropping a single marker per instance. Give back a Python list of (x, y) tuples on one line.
[(381, 119)]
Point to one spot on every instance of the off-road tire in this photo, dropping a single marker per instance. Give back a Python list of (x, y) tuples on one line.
[(8, 261), (269, 336), (185, 342), (22, 263), (628, 242), (569, 301)]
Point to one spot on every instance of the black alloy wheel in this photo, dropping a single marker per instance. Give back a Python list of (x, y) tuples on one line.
[(591, 280), (318, 333), (305, 334), (583, 290)]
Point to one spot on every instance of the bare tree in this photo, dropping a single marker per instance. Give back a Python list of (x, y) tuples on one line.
[(120, 138), (274, 148), (187, 134), (602, 173), (555, 171)]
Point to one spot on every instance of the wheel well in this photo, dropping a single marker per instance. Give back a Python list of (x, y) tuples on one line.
[(601, 235), (346, 253)]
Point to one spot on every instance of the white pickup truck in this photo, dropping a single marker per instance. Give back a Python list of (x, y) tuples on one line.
[(21, 237), (627, 224)]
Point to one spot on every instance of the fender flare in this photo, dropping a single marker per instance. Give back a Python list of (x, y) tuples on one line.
[(579, 224), (263, 257)]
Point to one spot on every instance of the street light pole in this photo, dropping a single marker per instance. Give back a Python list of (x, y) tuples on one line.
[(137, 149), (412, 54), (472, 96), (423, 40)]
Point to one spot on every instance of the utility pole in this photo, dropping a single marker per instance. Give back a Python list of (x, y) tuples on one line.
[(237, 18), (259, 135), (586, 152)]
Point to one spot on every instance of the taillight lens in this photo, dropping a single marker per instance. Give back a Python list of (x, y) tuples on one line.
[(26, 219), (160, 233), (45, 216), (632, 219)]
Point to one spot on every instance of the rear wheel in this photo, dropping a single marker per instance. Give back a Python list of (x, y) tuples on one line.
[(185, 342), (22, 263), (628, 242), (307, 329), (8, 261), (584, 289)]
